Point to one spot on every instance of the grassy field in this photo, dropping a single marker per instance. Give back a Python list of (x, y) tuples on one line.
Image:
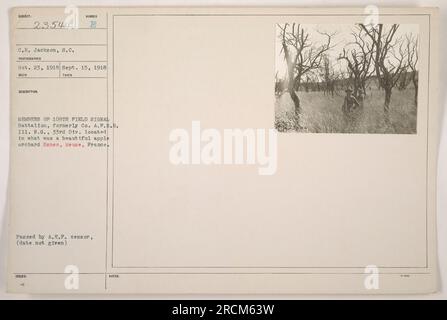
[(322, 113)]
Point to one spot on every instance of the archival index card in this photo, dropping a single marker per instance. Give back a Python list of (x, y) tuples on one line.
[(223, 150)]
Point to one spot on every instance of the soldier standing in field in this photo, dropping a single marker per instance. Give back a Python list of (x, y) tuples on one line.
[(350, 102), (349, 105)]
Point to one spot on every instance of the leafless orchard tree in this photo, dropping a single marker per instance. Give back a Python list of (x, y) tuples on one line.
[(413, 57), (385, 45), (359, 60), (328, 75), (302, 57)]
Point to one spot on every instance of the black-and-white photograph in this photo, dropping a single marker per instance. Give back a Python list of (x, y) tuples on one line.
[(343, 78)]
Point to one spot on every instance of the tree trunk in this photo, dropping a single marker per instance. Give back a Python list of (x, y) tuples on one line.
[(296, 102), (364, 89), (386, 107), (415, 83)]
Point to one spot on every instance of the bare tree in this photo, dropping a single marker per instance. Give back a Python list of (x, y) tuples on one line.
[(413, 57), (359, 61), (403, 81), (302, 57), (328, 75), (390, 58)]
